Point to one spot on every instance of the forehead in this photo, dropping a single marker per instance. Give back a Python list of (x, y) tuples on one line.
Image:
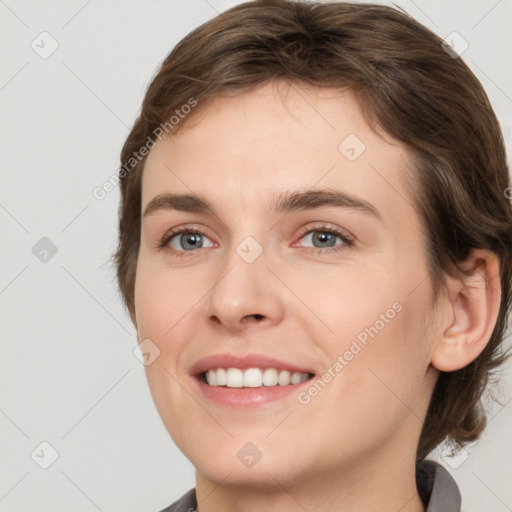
[(244, 150)]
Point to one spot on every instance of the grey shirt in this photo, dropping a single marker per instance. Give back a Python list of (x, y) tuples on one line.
[(436, 487)]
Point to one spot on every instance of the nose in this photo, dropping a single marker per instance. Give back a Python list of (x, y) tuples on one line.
[(245, 295)]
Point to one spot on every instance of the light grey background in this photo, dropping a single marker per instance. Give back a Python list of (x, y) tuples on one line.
[(67, 372)]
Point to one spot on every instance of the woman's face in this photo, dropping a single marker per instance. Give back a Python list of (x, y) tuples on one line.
[(302, 253)]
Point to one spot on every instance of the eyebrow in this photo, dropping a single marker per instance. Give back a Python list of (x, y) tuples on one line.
[(285, 203)]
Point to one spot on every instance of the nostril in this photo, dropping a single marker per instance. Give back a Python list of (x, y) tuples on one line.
[(255, 316)]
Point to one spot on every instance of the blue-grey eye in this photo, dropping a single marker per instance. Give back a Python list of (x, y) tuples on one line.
[(189, 240), (322, 239)]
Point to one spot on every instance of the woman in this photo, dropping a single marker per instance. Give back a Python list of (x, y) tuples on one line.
[(315, 239)]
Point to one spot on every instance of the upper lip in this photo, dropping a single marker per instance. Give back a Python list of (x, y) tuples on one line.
[(243, 362)]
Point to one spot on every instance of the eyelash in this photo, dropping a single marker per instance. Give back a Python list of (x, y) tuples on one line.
[(347, 240)]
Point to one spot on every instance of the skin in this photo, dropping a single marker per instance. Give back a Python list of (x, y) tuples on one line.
[(352, 447)]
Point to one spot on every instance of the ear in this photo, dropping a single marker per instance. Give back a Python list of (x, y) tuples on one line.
[(473, 305)]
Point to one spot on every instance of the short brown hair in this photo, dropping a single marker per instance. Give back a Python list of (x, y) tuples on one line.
[(405, 81)]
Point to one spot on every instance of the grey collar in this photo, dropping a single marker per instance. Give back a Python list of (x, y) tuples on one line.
[(437, 488)]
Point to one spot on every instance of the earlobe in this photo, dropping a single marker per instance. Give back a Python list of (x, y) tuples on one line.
[(473, 310)]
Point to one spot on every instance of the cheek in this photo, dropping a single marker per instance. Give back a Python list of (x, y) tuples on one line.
[(164, 305), (383, 308), (377, 335), (349, 303), (162, 301)]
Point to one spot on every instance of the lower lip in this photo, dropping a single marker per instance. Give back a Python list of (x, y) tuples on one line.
[(249, 397)]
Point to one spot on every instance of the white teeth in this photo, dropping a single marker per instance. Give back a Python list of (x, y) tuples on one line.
[(295, 378), (270, 377), (284, 378), (220, 377), (234, 378), (253, 377), (212, 377)]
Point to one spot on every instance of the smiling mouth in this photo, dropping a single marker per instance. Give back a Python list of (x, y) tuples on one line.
[(252, 377)]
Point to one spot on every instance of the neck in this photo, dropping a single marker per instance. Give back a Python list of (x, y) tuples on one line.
[(372, 486)]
